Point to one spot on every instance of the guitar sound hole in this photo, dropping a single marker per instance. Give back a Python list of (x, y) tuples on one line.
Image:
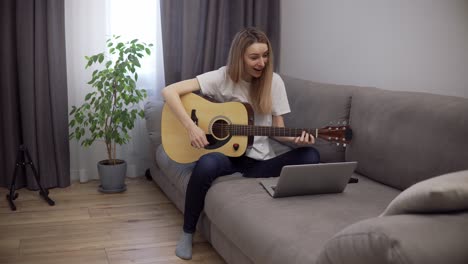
[(220, 129)]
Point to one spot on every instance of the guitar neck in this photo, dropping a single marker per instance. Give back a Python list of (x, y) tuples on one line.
[(342, 134), (246, 130)]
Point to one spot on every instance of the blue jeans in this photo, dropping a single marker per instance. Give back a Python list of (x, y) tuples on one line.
[(213, 165)]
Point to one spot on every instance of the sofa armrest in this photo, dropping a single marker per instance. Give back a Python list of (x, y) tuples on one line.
[(153, 110), (410, 238)]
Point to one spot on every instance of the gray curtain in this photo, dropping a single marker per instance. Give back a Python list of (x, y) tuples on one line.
[(33, 95), (197, 33)]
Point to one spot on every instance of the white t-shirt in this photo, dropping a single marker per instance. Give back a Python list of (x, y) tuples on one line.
[(218, 85)]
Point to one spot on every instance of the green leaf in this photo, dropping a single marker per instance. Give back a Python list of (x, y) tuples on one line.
[(88, 96), (73, 110), (148, 51), (90, 62)]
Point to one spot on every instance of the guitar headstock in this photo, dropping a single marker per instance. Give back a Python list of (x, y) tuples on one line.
[(341, 134)]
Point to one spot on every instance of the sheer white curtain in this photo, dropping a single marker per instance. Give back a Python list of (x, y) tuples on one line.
[(88, 24)]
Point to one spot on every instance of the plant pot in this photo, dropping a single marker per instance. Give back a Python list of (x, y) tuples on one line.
[(112, 176)]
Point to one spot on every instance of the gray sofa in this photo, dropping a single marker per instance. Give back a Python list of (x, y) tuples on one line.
[(402, 141)]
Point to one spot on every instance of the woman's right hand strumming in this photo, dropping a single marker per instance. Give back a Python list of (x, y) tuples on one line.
[(197, 136)]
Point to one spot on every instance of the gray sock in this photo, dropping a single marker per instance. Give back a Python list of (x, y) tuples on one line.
[(184, 246)]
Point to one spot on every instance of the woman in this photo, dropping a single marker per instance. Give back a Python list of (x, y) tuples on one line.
[(248, 77)]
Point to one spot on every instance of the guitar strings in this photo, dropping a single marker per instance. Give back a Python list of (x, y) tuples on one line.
[(329, 133), (219, 128)]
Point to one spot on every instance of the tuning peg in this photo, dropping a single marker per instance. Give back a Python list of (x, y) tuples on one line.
[(344, 145)]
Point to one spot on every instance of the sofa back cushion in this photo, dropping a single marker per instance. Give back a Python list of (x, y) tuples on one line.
[(315, 105), (400, 138)]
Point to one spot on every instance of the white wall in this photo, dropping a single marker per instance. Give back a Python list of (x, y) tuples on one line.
[(413, 45)]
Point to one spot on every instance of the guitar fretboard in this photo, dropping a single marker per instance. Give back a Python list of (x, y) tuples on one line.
[(246, 130)]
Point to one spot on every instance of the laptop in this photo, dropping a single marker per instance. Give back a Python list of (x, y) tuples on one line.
[(309, 179)]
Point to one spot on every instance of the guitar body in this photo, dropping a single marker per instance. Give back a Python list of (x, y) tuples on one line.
[(208, 114)]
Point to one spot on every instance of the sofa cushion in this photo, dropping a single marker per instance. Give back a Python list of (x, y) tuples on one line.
[(400, 138), (293, 229), (427, 238), (445, 193), (315, 105)]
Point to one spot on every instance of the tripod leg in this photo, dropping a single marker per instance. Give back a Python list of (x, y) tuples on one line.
[(43, 192), (13, 194)]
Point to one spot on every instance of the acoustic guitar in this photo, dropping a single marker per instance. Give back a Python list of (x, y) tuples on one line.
[(229, 129)]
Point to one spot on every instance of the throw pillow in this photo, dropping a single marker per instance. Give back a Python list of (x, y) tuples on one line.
[(441, 194)]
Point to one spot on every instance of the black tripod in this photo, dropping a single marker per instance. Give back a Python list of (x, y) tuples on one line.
[(22, 162)]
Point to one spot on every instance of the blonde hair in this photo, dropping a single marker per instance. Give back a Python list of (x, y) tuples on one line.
[(260, 90)]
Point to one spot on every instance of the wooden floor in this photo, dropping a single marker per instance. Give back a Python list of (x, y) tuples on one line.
[(139, 225)]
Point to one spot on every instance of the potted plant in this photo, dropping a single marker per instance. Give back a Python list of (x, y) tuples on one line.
[(109, 111)]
